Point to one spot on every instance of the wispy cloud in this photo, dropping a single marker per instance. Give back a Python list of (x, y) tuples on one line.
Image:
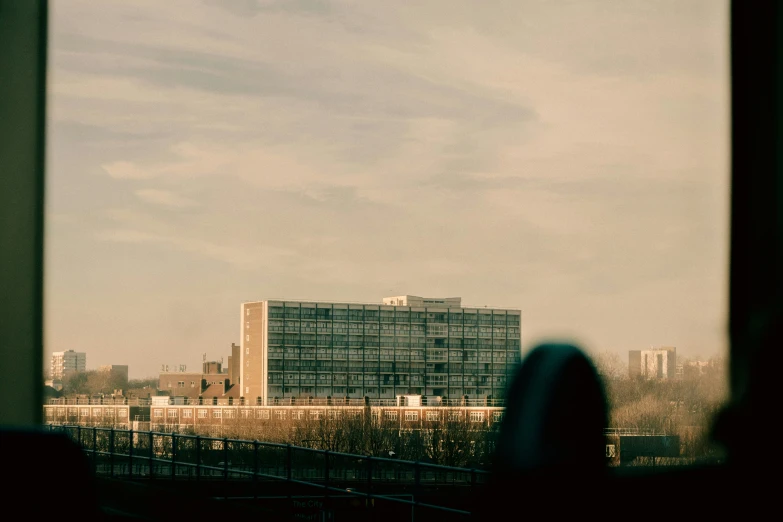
[(567, 157), (127, 170), (165, 198), (250, 258)]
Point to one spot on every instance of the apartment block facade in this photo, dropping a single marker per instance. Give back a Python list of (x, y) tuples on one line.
[(407, 345), (67, 361)]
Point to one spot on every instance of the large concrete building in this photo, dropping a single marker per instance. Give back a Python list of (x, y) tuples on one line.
[(66, 362), (655, 363), (407, 345)]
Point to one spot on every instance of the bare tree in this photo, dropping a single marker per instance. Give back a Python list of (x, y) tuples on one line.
[(610, 366)]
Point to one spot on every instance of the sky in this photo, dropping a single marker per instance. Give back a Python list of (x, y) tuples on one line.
[(569, 159)]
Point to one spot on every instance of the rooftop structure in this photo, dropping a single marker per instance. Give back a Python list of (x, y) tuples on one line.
[(412, 300), (214, 382)]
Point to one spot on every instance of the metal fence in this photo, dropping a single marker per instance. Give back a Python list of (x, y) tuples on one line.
[(94, 401), (136, 455), (287, 401)]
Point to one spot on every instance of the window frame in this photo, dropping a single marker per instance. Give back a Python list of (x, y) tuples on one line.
[(756, 240)]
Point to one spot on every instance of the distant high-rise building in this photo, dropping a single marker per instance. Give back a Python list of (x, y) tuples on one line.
[(67, 361), (233, 364), (655, 363), (408, 345)]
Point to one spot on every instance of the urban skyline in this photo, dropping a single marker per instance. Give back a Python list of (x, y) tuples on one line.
[(566, 159)]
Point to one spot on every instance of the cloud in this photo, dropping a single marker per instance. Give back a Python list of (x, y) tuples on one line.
[(570, 158), (126, 170), (240, 257), (165, 198), (120, 235), (186, 160), (251, 8)]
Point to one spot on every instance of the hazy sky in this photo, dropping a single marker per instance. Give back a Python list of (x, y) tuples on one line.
[(568, 158)]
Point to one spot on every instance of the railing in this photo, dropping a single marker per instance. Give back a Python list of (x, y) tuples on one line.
[(135, 455), (96, 401), (633, 431), (315, 401)]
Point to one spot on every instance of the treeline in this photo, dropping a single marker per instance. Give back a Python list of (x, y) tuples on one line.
[(684, 406), (92, 382), (450, 442), (100, 382)]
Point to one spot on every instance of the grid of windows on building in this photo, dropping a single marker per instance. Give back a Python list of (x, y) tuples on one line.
[(68, 361), (406, 346)]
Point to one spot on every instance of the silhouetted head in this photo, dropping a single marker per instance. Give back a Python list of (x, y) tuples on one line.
[(556, 415)]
